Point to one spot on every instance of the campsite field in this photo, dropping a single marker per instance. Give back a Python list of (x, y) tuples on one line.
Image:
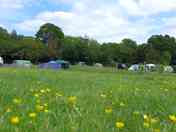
[(86, 100)]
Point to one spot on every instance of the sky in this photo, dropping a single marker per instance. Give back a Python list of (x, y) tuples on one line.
[(103, 20)]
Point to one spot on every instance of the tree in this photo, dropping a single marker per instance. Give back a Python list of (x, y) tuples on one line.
[(162, 43), (152, 56), (128, 50), (165, 45), (75, 49), (3, 33), (14, 34), (140, 53), (93, 52), (165, 58), (53, 37), (109, 53)]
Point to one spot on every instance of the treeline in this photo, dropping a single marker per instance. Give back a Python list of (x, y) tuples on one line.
[(50, 43)]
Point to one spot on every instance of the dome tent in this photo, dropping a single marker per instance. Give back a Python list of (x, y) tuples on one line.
[(51, 65), (64, 64)]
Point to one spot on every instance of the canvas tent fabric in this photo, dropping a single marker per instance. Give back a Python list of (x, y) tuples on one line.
[(150, 67), (135, 67), (99, 65), (82, 63), (121, 66), (50, 65), (168, 69), (64, 64), (22, 63), (1, 61)]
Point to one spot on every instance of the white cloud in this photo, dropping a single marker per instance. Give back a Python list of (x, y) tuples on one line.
[(169, 26), (147, 7), (1, 25), (14, 4), (103, 20)]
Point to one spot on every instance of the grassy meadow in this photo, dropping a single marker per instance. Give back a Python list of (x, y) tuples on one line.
[(86, 100)]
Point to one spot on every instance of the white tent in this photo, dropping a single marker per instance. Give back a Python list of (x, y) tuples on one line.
[(98, 65), (1, 61), (134, 67), (168, 69), (150, 67)]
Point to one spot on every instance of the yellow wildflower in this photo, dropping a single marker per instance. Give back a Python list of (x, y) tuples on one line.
[(46, 110), (146, 118), (153, 120), (8, 110), (72, 100), (172, 118), (32, 115), (156, 130), (120, 125), (36, 95), (15, 120), (108, 110), (39, 107), (42, 91), (17, 101), (146, 124)]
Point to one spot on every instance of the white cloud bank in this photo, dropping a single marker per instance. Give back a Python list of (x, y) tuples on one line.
[(147, 7), (106, 20), (14, 4)]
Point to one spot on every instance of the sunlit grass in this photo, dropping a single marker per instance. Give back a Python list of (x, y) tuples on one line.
[(86, 100)]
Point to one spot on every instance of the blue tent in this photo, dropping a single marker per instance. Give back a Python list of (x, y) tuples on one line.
[(51, 65), (64, 64)]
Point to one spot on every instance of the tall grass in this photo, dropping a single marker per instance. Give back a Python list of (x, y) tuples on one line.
[(86, 100)]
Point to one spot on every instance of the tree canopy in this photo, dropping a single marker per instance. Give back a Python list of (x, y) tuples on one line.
[(51, 43)]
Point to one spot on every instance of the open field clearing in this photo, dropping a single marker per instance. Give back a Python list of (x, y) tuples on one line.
[(86, 100)]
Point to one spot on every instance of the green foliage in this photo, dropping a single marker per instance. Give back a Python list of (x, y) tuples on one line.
[(75, 49), (53, 37), (165, 58), (50, 30), (164, 47), (152, 56), (50, 43), (160, 68), (24, 48)]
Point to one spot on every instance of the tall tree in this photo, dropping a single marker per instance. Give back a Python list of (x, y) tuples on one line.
[(14, 34), (165, 46), (128, 49), (3, 33), (53, 37)]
